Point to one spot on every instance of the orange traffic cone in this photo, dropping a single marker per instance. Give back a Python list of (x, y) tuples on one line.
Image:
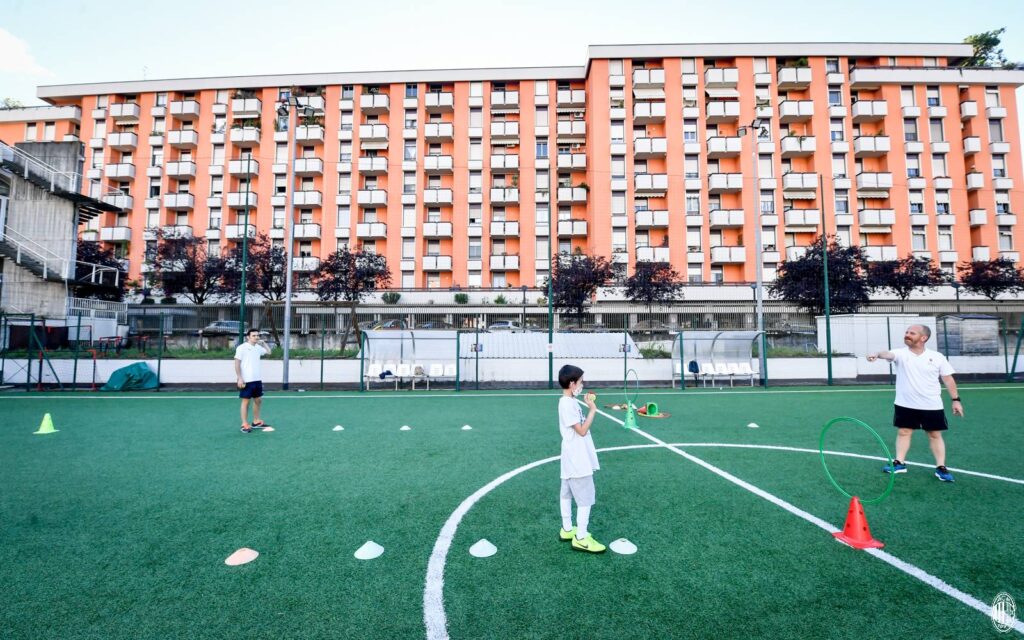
[(856, 532)]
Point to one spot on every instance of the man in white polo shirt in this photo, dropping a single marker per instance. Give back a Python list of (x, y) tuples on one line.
[(919, 397), (250, 380)]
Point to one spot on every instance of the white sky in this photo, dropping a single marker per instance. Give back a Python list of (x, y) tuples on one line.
[(70, 41)]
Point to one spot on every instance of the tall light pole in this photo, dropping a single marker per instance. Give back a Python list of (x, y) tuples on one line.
[(552, 257), (289, 109), (754, 129), (245, 249)]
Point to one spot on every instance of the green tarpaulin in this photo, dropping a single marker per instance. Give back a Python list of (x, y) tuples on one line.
[(134, 377)]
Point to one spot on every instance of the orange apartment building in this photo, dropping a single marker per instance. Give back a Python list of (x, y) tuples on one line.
[(473, 177)]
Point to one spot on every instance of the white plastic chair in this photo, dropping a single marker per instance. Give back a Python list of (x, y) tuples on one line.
[(373, 373), (677, 370), (449, 371), (419, 372), (707, 370), (436, 371), (745, 370), (404, 372), (722, 370)]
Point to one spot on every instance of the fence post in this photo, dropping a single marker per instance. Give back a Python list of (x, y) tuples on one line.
[(476, 350), (888, 342), (625, 361), (160, 351), (1006, 354), (458, 361), (362, 361), (764, 345), (28, 352), (323, 333), (74, 367), (945, 336), (682, 363), (1016, 352)]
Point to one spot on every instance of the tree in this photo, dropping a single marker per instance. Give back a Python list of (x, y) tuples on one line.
[(991, 278), (986, 51), (10, 103), (183, 267), (575, 279), (98, 284), (801, 281), (653, 283), (265, 274), (350, 276), (904, 275)]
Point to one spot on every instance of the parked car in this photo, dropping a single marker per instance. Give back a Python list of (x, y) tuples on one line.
[(506, 325), (390, 325), (434, 324), (220, 328)]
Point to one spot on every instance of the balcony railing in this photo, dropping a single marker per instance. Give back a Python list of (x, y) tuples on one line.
[(437, 196), (372, 230), (794, 78), (307, 231), (116, 234), (726, 218), (242, 199), (440, 164), (649, 219), (185, 109), (725, 182), (504, 195), (437, 263), (179, 201), (374, 103), (728, 255), (572, 194), (246, 107), (572, 228), (644, 148), (439, 102)]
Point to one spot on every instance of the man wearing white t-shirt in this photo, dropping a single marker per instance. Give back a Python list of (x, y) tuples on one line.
[(250, 379), (919, 397)]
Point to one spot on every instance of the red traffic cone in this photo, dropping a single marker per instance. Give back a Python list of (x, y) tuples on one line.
[(856, 532)]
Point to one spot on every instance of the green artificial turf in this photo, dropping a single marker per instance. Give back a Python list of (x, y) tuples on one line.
[(118, 525)]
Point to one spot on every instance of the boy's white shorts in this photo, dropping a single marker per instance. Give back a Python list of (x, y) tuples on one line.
[(579, 489)]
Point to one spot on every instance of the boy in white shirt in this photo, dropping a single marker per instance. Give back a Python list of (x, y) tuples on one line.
[(919, 397), (250, 380), (578, 461)]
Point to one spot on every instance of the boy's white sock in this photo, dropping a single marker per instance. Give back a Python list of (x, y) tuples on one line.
[(566, 505), (582, 520)]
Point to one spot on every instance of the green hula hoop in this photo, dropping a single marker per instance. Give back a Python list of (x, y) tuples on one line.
[(636, 388), (821, 452)]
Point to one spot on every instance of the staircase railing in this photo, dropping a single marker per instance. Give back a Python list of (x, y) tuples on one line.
[(28, 164), (25, 247)]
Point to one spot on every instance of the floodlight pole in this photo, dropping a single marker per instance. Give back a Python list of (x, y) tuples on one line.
[(552, 256), (245, 249), (291, 106), (754, 128), (828, 303)]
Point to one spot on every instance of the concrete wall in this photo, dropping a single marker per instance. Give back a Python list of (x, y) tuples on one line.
[(25, 292)]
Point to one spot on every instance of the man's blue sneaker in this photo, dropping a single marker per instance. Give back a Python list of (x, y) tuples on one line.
[(897, 467), (942, 473)]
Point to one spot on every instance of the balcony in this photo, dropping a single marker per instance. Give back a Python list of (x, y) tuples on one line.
[(870, 146), (874, 182), (728, 255), (506, 195), (306, 167), (571, 128), (372, 230), (123, 141), (572, 228), (798, 146), (437, 196), (980, 254), (571, 98), (374, 133), (721, 111), (439, 102), (649, 219), (245, 136), (648, 78), (309, 133), (880, 253), (179, 170), (372, 197), (724, 146), (371, 103), (121, 172), (504, 100), (307, 231), (125, 113), (649, 183), (437, 230), (876, 220), (721, 78), (504, 130), (795, 253), (437, 263), (373, 166), (504, 263), (439, 164), (725, 182), (968, 109), (870, 110), (652, 254), (572, 194), (238, 231), (507, 228), (504, 163), (800, 185), (179, 201), (445, 131), (995, 112), (572, 161), (116, 234), (244, 168), (802, 220), (645, 148), (315, 102), (176, 231), (726, 218), (305, 264), (975, 181), (978, 217), (246, 108), (242, 200), (183, 138), (307, 198), (648, 112), (184, 109), (794, 78), (119, 200), (795, 111), (1001, 184)]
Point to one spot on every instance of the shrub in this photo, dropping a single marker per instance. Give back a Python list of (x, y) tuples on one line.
[(391, 297), (461, 298), (500, 299)]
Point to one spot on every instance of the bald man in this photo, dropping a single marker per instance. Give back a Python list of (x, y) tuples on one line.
[(919, 397)]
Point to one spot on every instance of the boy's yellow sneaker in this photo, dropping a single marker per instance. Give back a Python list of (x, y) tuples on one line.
[(587, 544), (566, 536)]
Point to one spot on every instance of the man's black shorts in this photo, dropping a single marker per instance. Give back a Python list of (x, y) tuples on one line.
[(251, 390), (927, 419)]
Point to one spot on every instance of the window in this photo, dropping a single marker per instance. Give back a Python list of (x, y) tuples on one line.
[(999, 166), (618, 203), (1006, 238), (768, 239), (835, 96), (932, 94), (344, 219), (542, 149), (154, 187), (215, 218), (541, 87), (476, 150), (918, 239), (542, 215), (689, 131), (939, 165), (942, 208), (935, 130), (543, 180), (995, 130), (618, 167), (411, 90), (476, 118), (916, 206), (693, 204), (410, 150), (693, 239), (837, 130), (161, 99), (49, 131), (913, 165), (409, 182), (838, 165), (475, 182), (843, 236), (347, 92), (765, 166), (842, 202), (945, 238), (910, 129), (615, 67), (691, 167), (831, 65), (618, 131), (476, 89), (992, 97), (216, 186), (346, 120), (907, 98)]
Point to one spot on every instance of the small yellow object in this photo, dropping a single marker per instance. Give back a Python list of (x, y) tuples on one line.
[(46, 426)]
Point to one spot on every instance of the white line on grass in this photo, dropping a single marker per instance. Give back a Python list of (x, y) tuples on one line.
[(906, 567), (462, 394), (436, 622)]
